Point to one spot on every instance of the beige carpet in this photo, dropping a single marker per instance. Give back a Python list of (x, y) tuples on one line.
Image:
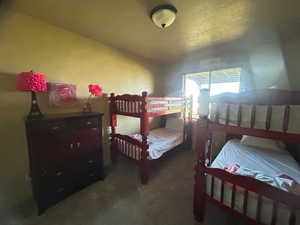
[(121, 200)]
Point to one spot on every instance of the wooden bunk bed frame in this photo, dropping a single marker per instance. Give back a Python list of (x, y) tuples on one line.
[(143, 107), (205, 128)]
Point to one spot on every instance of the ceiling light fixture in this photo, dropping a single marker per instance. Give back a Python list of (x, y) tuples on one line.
[(163, 15)]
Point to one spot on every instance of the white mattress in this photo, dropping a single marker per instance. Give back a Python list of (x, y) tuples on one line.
[(268, 162), (161, 140)]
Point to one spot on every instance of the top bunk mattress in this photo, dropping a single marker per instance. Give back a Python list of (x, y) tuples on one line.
[(268, 162)]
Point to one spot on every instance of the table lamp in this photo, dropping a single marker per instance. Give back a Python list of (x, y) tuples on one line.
[(34, 82)]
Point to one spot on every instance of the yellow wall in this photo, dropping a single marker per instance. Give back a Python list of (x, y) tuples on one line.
[(28, 44)]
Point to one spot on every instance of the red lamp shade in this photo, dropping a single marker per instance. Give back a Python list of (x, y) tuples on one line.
[(32, 81)]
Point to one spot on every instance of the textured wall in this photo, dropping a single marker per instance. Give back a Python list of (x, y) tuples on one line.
[(291, 49), (264, 65), (271, 64), (28, 44)]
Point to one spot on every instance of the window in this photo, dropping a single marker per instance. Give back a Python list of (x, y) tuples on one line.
[(217, 81)]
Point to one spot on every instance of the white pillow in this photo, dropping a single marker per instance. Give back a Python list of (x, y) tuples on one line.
[(175, 123), (263, 143)]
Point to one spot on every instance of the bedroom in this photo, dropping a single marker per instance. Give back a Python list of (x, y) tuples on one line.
[(115, 44)]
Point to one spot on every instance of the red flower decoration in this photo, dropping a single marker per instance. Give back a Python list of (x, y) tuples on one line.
[(95, 89)]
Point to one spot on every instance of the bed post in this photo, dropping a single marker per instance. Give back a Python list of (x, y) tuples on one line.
[(187, 120), (199, 185), (144, 126), (185, 128), (190, 121), (113, 124)]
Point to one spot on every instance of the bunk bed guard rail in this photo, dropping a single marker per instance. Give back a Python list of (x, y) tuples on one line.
[(216, 123)]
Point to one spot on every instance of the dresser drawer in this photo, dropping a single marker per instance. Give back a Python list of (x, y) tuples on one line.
[(88, 138), (54, 127), (54, 151), (65, 153), (90, 122), (53, 194), (92, 175), (54, 177)]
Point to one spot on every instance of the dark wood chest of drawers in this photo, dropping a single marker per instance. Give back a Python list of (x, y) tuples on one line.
[(65, 154)]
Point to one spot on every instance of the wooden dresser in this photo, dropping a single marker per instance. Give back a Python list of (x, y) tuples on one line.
[(65, 154)]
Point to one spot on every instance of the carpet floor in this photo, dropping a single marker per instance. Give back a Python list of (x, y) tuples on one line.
[(121, 200)]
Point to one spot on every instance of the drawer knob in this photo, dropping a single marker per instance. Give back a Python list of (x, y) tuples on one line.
[(59, 190), (91, 161), (88, 123), (44, 172), (58, 173)]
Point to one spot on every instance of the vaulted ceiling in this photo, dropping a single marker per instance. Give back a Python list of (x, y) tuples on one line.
[(126, 25)]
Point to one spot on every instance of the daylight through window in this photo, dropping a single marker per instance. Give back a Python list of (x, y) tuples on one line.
[(217, 81)]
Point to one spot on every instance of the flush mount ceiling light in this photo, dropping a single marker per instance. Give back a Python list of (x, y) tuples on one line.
[(163, 15)]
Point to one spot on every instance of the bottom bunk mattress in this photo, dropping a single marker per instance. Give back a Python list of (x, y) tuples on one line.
[(267, 164), (160, 141)]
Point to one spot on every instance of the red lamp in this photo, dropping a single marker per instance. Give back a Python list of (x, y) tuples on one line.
[(34, 82)]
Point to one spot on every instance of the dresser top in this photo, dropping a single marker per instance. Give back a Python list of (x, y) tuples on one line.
[(55, 116)]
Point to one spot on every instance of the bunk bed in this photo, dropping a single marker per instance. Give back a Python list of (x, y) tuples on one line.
[(269, 114), (148, 145)]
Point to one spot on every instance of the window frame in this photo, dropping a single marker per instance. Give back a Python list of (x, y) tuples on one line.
[(185, 77)]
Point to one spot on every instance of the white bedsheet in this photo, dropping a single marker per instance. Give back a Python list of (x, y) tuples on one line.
[(161, 140), (268, 162)]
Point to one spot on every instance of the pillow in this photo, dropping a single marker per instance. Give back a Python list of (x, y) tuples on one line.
[(175, 123), (264, 143)]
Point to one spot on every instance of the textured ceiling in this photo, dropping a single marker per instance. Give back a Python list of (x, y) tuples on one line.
[(125, 24)]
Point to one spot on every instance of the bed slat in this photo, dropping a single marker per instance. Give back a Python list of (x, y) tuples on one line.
[(233, 196), (227, 113), (286, 118), (212, 186), (245, 202), (253, 114), (258, 210), (121, 102), (239, 115), (127, 106), (217, 114), (119, 108), (274, 213), (292, 218), (269, 117), (222, 191), (118, 105), (130, 106)]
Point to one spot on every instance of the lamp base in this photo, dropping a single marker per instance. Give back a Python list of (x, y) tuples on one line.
[(35, 112)]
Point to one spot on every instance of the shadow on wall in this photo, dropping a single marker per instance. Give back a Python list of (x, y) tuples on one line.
[(14, 157), (8, 82)]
